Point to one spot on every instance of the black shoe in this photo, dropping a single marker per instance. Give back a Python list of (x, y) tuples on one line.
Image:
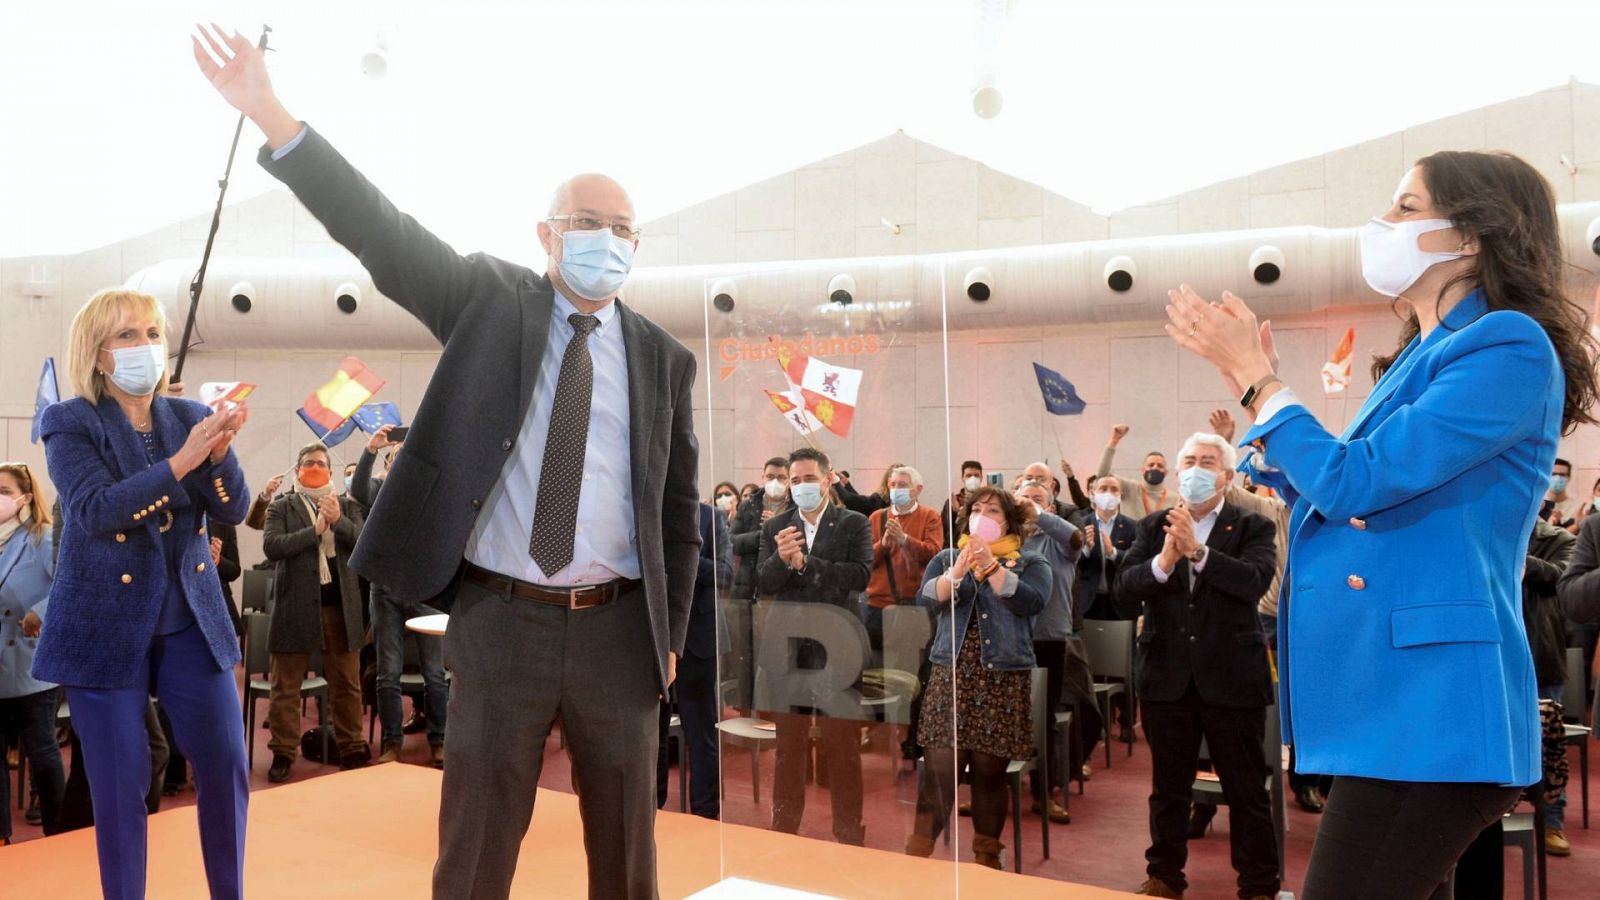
[(417, 724), (33, 815), (172, 788), (1126, 735), (279, 773), (1309, 799), (354, 760), (1200, 820)]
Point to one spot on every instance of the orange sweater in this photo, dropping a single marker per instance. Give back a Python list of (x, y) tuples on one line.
[(924, 538)]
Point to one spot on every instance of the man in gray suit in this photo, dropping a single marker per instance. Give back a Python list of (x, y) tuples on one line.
[(548, 483)]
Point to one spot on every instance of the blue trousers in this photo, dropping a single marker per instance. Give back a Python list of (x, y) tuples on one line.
[(203, 702)]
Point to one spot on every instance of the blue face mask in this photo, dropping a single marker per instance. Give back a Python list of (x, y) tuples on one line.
[(1558, 484), (807, 496), (594, 264), (1197, 485), (139, 369), (900, 497)]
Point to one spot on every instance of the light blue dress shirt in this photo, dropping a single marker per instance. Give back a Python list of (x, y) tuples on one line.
[(606, 545)]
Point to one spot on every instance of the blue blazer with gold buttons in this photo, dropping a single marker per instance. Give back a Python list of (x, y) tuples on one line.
[(123, 519), (1402, 653)]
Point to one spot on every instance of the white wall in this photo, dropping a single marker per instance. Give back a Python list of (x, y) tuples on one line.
[(1127, 371)]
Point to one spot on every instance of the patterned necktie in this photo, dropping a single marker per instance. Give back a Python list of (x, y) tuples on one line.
[(561, 476)]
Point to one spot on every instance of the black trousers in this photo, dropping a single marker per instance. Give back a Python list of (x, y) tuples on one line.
[(1397, 840), (1052, 657), (696, 694), (1234, 737)]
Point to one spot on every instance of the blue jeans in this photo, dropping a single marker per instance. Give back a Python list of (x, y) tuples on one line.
[(1555, 814), (34, 716), (389, 617), (203, 702)]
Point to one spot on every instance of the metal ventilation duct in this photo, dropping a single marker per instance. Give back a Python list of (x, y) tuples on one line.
[(330, 304)]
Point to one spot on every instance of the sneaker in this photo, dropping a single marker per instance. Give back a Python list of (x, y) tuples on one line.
[(1556, 843), (279, 773), (417, 724), (390, 753), (1155, 887), (964, 809)]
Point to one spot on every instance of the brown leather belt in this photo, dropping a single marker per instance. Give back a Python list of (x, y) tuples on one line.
[(571, 598)]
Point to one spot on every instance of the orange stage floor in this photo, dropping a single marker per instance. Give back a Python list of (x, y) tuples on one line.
[(371, 833)]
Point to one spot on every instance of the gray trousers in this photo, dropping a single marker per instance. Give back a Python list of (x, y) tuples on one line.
[(516, 665)]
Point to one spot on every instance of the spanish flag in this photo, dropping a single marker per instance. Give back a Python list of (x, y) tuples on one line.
[(330, 405), (1336, 374)]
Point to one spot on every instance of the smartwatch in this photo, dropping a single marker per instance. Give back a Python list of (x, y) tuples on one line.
[(1248, 401)]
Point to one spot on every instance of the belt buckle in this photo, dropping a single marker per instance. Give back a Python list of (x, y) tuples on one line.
[(574, 604)]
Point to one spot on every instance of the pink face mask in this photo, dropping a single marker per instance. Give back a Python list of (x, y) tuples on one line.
[(8, 507), (984, 529)]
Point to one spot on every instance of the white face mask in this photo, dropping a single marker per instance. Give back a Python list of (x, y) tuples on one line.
[(139, 368), (725, 502), (973, 482), (775, 489), (1391, 260), (1107, 501)]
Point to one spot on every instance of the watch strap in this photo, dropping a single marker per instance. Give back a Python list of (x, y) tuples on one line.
[(1248, 401)]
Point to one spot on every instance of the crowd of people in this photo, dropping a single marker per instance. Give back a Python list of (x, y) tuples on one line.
[(589, 584)]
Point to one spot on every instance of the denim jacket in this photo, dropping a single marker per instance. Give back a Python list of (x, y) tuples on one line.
[(1005, 619)]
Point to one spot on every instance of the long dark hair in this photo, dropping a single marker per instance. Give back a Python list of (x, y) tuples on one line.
[(1507, 207)]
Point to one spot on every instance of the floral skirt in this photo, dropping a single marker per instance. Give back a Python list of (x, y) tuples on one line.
[(989, 710)]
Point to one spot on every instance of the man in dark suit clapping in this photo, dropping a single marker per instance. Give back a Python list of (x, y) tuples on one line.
[(1196, 573), (815, 558)]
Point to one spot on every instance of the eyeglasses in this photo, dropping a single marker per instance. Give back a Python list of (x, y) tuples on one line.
[(575, 222), (313, 464)]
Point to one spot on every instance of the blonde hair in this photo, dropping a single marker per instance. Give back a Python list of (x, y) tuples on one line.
[(38, 512), (93, 326)]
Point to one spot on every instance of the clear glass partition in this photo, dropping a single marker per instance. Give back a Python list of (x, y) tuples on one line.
[(823, 673)]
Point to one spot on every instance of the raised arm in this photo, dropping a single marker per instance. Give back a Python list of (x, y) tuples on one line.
[(407, 263)]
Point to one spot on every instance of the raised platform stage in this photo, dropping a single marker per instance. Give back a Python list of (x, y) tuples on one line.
[(372, 833)]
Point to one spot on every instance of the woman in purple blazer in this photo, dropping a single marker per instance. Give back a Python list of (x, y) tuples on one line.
[(136, 608)]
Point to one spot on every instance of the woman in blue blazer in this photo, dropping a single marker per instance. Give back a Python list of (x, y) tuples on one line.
[(27, 705), (136, 609), (1405, 670)]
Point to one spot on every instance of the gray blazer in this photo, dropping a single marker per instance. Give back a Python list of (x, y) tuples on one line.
[(493, 317), (291, 540)]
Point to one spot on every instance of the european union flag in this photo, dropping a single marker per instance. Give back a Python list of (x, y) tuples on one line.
[(1060, 397), (47, 393), (372, 416), (330, 437)]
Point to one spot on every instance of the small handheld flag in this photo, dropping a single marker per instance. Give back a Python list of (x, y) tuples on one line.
[(1060, 397), (330, 405), (373, 416), (1336, 373), (221, 395), (47, 393), (792, 406)]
